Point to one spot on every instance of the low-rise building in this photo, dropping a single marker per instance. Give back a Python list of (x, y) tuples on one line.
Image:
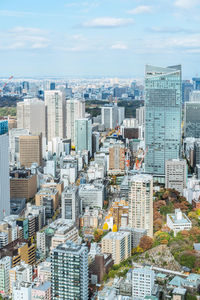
[(19, 273), (42, 291), (22, 290), (178, 221), (92, 195)]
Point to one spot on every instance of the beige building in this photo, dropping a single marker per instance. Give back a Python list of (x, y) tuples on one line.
[(30, 150), (22, 184), (141, 203), (117, 157), (31, 115), (56, 114), (118, 244), (47, 192), (59, 186)]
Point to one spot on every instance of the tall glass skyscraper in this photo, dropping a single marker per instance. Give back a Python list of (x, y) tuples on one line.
[(162, 117)]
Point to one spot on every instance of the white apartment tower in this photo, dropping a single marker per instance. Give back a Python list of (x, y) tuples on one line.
[(75, 109), (31, 116), (141, 203), (55, 105)]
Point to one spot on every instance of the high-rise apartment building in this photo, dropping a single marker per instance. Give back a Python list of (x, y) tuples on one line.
[(4, 171), (75, 109), (142, 283), (163, 107), (69, 266), (176, 174), (141, 202), (70, 203), (30, 150), (5, 265), (31, 116), (83, 135), (118, 244), (109, 116), (55, 105)]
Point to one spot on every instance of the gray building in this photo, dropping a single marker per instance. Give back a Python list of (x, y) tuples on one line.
[(176, 174), (163, 106), (109, 116), (71, 207), (69, 272), (92, 195), (83, 135), (192, 119)]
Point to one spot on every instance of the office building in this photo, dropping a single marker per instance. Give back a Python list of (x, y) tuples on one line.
[(117, 157), (142, 283), (75, 109), (31, 115), (196, 83), (41, 241), (140, 115), (178, 221), (22, 184), (14, 135), (195, 96), (176, 174), (118, 244), (187, 88), (71, 206), (121, 115), (92, 195), (55, 105), (69, 266), (83, 135), (141, 203), (109, 116), (163, 108), (4, 172), (47, 193), (192, 120), (30, 150), (5, 265)]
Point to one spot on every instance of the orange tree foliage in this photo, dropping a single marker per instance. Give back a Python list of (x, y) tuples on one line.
[(146, 242)]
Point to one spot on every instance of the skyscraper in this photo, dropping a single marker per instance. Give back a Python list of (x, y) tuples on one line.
[(83, 135), (55, 103), (69, 272), (30, 150), (162, 117), (31, 116), (75, 109), (4, 170), (109, 116), (141, 202), (192, 119)]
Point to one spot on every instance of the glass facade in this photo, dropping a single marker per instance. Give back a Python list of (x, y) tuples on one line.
[(162, 117), (192, 119), (3, 127)]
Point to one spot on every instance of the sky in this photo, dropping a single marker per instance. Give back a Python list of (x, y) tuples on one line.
[(96, 38)]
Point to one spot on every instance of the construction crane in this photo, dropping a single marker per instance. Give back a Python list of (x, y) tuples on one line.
[(5, 84)]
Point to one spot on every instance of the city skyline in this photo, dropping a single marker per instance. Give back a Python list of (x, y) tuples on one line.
[(98, 38)]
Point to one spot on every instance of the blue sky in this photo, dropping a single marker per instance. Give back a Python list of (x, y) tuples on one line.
[(98, 38)]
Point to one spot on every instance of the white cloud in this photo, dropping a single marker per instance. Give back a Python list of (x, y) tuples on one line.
[(186, 4), (140, 10), (107, 22), (119, 46)]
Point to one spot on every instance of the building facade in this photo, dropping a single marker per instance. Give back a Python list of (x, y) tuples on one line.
[(163, 106), (176, 174), (71, 207), (83, 135), (69, 266), (141, 203), (30, 150)]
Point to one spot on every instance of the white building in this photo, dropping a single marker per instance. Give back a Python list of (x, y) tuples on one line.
[(22, 291), (55, 104), (109, 116), (68, 174), (121, 114), (5, 265), (14, 135), (140, 115), (44, 271), (50, 168), (41, 241), (20, 273), (178, 221), (71, 206), (142, 282), (176, 174), (141, 202), (192, 192), (95, 171), (92, 195), (75, 109), (31, 116), (4, 171)]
